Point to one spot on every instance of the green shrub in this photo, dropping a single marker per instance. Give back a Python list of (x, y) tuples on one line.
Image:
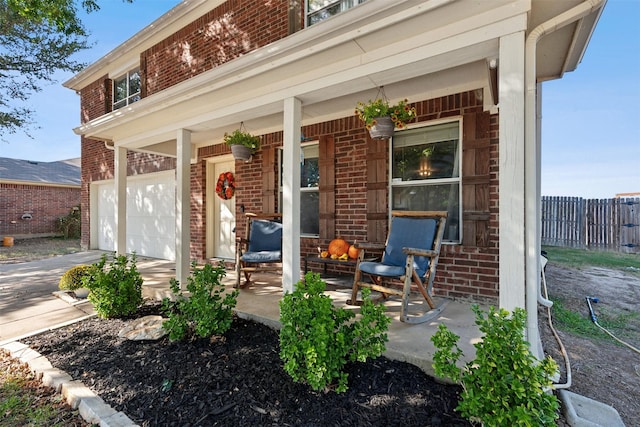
[(317, 339), (116, 290), (206, 312), (505, 385), (69, 225), (72, 278)]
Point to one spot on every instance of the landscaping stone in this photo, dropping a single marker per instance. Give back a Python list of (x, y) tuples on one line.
[(144, 328)]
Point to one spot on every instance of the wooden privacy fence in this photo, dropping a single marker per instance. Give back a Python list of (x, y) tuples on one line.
[(598, 224)]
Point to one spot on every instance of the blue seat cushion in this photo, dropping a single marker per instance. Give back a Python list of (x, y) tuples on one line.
[(262, 256), (406, 232), (380, 269), (265, 236)]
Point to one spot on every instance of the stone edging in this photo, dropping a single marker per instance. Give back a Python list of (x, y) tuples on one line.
[(90, 406)]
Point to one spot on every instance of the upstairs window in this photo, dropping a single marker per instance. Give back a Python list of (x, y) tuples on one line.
[(425, 173), (319, 10), (126, 89), (309, 189)]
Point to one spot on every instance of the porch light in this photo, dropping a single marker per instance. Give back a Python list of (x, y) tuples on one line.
[(425, 167)]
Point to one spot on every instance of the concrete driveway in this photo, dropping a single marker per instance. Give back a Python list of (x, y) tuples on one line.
[(27, 302)]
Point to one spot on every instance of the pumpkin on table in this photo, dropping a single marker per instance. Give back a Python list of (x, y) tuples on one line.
[(353, 251), (338, 247)]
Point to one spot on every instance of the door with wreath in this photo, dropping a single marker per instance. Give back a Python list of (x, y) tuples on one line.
[(221, 208)]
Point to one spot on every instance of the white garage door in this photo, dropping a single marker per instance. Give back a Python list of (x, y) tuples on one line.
[(151, 224)]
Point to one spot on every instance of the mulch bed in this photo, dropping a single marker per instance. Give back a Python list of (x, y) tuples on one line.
[(237, 379)]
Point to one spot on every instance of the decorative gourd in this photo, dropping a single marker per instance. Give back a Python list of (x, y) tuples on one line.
[(338, 247), (353, 251)]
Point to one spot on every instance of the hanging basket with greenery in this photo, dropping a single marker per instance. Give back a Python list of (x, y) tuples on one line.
[(243, 144), (371, 113)]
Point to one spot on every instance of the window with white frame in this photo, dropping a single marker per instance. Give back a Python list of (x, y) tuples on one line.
[(309, 190), (319, 10), (425, 173), (126, 89)]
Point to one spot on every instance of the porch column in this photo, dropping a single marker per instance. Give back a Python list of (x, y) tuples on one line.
[(183, 206), (291, 194), (511, 171), (120, 184)]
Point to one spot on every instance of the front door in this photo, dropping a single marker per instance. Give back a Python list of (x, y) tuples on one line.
[(221, 219)]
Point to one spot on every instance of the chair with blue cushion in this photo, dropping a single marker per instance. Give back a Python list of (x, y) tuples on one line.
[(409, 260), (262, 251)]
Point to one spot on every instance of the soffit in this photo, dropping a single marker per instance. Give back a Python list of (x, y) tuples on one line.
[(562, 50)]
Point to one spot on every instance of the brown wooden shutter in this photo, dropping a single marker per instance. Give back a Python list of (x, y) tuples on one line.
[(269, 182), (327, 187), (475, 179), (377, 187)]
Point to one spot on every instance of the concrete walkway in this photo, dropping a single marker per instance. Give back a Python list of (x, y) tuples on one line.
[(28, 305)]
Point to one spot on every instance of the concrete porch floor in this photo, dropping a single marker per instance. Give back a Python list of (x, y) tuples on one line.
[(260, 302)]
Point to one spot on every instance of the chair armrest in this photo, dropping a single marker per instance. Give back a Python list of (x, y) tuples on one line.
[(370, 246), (420, 252)]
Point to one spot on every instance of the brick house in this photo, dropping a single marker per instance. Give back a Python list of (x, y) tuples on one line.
[(154, 112), (35, 195)]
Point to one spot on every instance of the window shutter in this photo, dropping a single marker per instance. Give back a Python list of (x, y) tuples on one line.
[(475, 179), (269, 190), (377, 187), (327, 186)]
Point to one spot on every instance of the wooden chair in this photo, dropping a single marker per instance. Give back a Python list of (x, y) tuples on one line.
[(262, 250), (409, 258)]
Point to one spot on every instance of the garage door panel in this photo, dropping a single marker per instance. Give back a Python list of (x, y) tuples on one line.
[(150, 216)]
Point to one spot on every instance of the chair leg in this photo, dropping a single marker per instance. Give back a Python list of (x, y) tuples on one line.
[(434, 310), (247, 277), (238, 269), (354, 289)]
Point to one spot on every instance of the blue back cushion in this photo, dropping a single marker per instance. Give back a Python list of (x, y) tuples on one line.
[(410, 233), (265, 236)]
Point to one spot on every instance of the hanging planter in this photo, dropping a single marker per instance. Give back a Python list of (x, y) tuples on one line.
[(243, 144), (381, 118), (240, 152), (382, 128)]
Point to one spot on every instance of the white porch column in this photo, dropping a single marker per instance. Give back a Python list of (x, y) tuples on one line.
[(511, 171), (291, 194), (183, 206), (120, 183)]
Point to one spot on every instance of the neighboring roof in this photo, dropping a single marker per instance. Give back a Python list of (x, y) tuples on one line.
[(61, 172)]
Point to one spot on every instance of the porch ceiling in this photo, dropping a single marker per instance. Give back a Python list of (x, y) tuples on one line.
[(424, 49)]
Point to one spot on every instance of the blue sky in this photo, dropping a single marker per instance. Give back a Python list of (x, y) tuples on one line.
[(590, 125)]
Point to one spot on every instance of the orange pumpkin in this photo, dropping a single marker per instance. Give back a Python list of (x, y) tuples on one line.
[(338, 247), (353, 251)]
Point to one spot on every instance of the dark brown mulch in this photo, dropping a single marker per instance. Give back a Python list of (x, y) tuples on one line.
[(238, 380)]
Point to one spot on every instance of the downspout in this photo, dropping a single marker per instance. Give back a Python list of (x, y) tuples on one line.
[(532, 182)]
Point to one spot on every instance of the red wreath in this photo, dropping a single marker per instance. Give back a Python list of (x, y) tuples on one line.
[(226, 186)]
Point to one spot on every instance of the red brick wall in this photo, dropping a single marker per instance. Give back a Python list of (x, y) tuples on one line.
[(46, 204), (227, 32), (464, 271), (95, 99)]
